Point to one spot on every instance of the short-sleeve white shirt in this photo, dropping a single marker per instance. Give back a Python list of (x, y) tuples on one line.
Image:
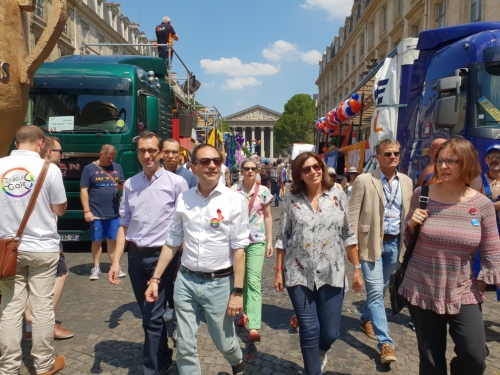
[(19, 174)]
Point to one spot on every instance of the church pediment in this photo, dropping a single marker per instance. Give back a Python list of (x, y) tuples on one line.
[(256, 113)]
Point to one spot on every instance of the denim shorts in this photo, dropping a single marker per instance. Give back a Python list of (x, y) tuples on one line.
[(106, 228)]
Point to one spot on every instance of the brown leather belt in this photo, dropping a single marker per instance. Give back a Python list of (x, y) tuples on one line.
[(390, 237), (209, 275)]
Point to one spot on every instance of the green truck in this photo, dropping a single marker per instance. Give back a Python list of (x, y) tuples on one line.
[(88, 101)]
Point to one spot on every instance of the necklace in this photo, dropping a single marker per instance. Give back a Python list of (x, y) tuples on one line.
[(494, 181)]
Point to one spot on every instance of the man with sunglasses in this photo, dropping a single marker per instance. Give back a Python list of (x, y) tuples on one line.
[(378, 224), (146, 213), (211, 221)]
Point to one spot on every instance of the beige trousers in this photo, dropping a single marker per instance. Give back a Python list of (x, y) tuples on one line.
[(35, 277)]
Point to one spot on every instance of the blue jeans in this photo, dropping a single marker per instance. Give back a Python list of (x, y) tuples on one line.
[(275, 190), (192, 295), (156, 354), (318, 313), (376, 275)]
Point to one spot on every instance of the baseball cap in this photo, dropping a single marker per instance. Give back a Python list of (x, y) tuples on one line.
[(493, 147), (267, 161)]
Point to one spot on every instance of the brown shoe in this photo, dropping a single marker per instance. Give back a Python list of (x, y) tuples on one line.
[(61, 333), (387, 354), (59, 362), (368, 329)]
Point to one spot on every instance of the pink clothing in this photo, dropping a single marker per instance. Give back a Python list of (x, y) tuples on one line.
[(439, 276)]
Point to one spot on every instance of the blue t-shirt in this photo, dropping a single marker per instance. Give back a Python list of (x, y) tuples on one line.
[(190, 178), (103, 195)]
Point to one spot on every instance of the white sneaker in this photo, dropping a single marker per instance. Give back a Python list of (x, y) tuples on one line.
[(121, 274), (169, 315), (95, 273), (323, 362)]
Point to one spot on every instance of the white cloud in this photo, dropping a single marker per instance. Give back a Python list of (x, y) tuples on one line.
[(207, 85), (311, 57), (235, 68), (280, 50), (334, 8), (239, 83)]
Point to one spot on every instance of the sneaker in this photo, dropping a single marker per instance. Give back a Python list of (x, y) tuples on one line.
[(169, 315), (387, 354), (368, 329), (59, 363), (323, 362), (61, 333), (253, 336), (95, 273), (242, 321), (412, 326), (121, 274), (239, 369)]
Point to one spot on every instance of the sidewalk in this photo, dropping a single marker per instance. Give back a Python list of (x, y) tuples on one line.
[(108, 332)]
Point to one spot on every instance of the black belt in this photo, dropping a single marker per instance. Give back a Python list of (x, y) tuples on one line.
[(209, 275), (390, 237), (145, 249)]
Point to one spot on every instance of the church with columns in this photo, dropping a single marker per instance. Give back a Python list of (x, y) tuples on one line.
[(257, 123)]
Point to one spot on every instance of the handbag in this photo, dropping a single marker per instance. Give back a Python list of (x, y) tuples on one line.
[(9, 246), (396, 279)]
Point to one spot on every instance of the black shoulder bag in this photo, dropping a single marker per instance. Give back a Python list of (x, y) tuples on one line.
[(397, 300)]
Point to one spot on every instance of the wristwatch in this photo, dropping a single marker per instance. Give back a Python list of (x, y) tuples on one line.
[(357, 266), (238, 291)]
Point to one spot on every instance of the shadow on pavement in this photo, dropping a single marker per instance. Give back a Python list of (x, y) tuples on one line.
[(276, 316), (117, 354), (116, 316), (492, 331), (84, 269)]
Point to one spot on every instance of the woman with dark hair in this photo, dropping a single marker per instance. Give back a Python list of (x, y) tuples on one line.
[(261, 228), (311, 245), (439, 284)]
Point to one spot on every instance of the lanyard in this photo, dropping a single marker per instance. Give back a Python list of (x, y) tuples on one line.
[(389, 204)]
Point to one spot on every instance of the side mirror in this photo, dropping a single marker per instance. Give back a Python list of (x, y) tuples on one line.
[(135, 139), (448, 89)]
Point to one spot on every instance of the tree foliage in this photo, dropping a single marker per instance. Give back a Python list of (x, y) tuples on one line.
[(224, 127), (296, 124)]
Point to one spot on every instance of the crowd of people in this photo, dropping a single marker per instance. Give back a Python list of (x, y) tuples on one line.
[(197, 243)]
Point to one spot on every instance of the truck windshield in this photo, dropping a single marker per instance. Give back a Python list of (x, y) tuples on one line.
[(80, 110), (488, 95)]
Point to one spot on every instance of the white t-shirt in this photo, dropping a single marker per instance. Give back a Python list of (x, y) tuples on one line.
[(19, 173), (222, 179)]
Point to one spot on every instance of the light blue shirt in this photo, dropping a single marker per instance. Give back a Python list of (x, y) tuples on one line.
[(393, 199)]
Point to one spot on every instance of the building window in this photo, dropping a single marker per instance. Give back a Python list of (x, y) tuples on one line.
[(476, 10), (441, 15), (371, 34), (398, 7), (383, 19), (353, 57), (347, 64), (362, 45), (415, 30), (85, 31), (65, 30), (39, 8), (113, 21)]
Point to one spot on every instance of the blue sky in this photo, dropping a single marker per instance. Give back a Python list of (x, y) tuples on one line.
[(246, 52)]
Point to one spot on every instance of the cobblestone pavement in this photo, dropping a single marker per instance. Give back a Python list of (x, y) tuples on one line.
[(108, 333)]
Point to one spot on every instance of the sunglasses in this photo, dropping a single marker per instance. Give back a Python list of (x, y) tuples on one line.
[(246, 169), (205, 162), (305, 170), (389, 154)]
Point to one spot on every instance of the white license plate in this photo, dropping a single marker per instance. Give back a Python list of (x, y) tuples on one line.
[(70, 237)]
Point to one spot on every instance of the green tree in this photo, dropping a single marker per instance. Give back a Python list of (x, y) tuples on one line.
[(296, 124), (224, 127)]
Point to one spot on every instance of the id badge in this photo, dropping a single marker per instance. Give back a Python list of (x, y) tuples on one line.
[(391, 214)]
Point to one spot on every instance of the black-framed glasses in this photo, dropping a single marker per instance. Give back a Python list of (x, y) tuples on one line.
[(450, 162), (59, 150), (493, 157), (246, 169), (151, 151), (389, 154), (305, 170), (173, 152), (205, 162)]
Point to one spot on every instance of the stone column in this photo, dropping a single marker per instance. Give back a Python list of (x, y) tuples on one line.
[(271, 143), (253, 133), (262, 135), (244, 131)]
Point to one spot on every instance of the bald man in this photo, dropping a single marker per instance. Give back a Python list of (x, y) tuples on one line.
[(428, 172), (100, 184)]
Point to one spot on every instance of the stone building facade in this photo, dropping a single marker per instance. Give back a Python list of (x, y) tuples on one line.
[(90, 21), (374, 29)]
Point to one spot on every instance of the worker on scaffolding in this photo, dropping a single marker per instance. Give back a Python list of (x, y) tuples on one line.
[(165, 34)]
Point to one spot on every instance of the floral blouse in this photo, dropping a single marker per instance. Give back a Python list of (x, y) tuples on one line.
[(256, 218), (315, 243)]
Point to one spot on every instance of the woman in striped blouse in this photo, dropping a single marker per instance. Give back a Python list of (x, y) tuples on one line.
[(439, 285)]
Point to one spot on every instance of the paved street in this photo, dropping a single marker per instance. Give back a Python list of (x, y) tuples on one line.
[(108, 333)]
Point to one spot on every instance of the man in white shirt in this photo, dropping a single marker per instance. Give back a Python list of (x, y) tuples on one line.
[(212, 220), (38, 254)]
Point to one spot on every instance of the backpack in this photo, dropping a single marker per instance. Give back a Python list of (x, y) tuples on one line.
[(265, 173), (275, 176)]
